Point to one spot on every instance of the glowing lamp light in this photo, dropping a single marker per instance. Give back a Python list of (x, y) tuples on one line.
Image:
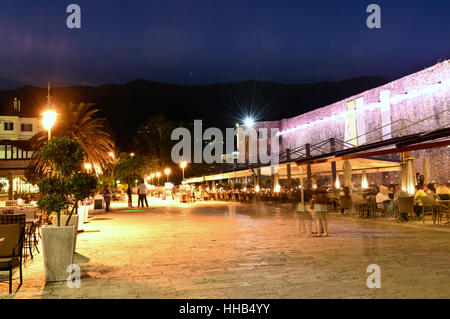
[(411, 189), (87, 166), (158, 174), (249, 122), (48, 119), (337, 184), (257, 189), (131, 154), (364, 182), (152, 175), (183, 164), (314, 186), (245, 189), (167, 171), (277, 188), (19, 201)]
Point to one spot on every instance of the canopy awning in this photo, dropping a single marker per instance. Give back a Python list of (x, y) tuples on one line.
[(369, 165)]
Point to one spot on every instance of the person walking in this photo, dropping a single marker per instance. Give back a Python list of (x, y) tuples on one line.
[(142, 194), (107, 197), (130, 200), (318, 206)]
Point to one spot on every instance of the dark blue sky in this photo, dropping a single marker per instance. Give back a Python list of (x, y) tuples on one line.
[(286, 41)]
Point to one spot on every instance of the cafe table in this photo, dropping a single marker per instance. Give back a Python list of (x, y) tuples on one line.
[(29, 213)]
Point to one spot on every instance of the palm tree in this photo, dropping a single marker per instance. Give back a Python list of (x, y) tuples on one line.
[(82, 123)]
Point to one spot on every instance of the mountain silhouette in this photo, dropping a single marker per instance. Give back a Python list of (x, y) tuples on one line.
[(126, 106)]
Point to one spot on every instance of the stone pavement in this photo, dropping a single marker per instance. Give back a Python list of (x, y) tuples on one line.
[(232, 250)]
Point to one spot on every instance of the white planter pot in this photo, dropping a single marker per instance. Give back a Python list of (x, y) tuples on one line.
[(57, 249), (81, 216), (73, 221)]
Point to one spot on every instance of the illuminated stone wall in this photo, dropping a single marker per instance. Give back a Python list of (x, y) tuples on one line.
[(420, 97)]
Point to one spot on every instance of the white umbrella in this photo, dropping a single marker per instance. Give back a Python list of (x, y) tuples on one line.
[(347, 167)]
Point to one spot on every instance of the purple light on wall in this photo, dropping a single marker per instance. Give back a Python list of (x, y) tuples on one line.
[(396, 99)]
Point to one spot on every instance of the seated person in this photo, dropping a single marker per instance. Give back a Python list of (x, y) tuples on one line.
[(427, 190), (420, 193), (382, 199)]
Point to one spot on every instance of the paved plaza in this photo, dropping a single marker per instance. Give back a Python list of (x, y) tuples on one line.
[(232, 250)]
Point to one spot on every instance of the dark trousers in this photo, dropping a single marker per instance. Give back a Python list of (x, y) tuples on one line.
[(418, 210), (107, 202), (142, 197)]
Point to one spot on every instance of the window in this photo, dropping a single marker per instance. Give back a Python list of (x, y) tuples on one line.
[(8, 126), (26, 127)]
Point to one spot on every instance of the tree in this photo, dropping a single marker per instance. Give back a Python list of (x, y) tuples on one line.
[(129, 168), (83, 123), (67, 185), (154, 139)]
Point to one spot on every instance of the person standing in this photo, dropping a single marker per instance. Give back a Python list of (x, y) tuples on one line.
[(142, 194), (130, 201), (107, 197), (318, 206)]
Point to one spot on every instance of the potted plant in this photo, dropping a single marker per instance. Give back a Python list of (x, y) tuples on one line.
[(60, 193)]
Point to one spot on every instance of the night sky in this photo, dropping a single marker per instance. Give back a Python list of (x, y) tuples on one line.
[(218, 41)]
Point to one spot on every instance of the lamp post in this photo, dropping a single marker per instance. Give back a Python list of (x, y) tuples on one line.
[(167, 171), (111, 154), (152, 176), (158, 175), (48, 119), (183, 165)]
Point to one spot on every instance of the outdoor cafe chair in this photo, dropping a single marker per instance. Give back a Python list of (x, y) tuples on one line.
[(406, 205), (13, 219), (31, 239), (11, 250), (428, 208), (443, 209)]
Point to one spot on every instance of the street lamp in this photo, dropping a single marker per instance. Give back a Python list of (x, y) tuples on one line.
[(183, 165), (88, 166), (158, 175), (152, 176), (48, 119), (131, 154), (167, 171)]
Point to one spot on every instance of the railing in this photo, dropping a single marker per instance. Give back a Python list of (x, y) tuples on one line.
[(332, 145)]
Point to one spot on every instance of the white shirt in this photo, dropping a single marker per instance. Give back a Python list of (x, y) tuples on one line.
[(142, 189), (380, 198)]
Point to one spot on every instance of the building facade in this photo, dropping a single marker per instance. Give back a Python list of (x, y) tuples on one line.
[(416, 103), (15, 152)]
